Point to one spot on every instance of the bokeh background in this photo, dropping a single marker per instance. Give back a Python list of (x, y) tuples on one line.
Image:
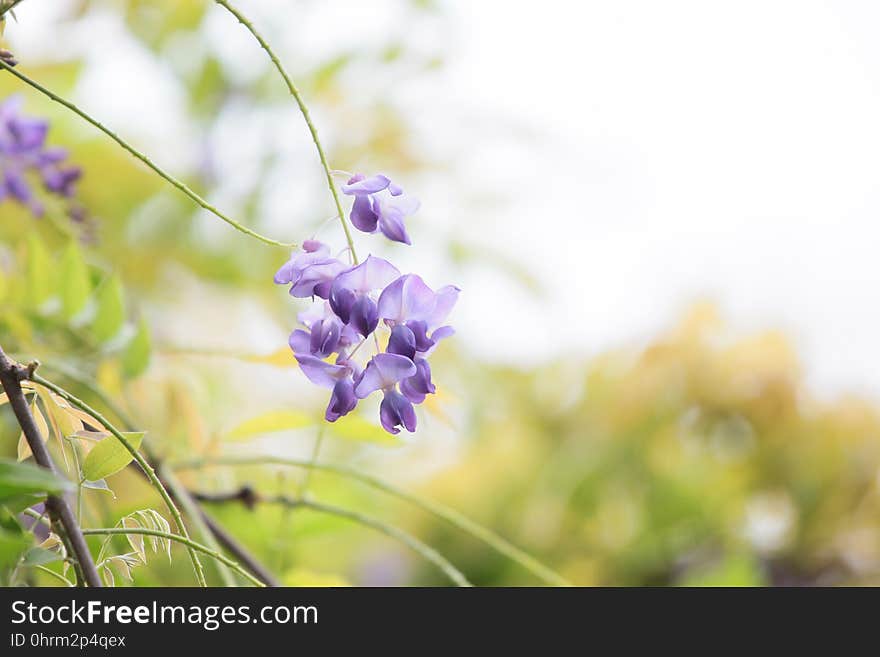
[(662, 217)]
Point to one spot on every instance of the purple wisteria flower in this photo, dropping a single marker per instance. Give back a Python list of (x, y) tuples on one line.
[(311, 272), (24, 155), (361, 307), (380, 205)]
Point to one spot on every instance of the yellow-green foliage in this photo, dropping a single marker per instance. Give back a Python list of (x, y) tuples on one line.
[(699, 459)]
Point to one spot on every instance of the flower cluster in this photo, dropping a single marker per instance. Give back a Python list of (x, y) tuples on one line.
[(340, 347), (23, 153)]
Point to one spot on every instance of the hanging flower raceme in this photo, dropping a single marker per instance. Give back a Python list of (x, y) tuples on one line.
[(363, 307), (24, 156)]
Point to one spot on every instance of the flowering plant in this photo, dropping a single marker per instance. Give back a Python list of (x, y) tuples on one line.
[(366, 330), (355, 302)]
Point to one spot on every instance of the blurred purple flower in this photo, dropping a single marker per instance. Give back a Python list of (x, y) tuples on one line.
[(40, 531), (23, 153)]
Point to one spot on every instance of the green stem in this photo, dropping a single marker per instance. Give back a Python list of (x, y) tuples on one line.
[(57, 576), (141, 461), (316, 450), (426, 551), (195, 516), (448, 514), (291, 87), (215, 532), (410, 541), (11, 6), (80, 481), (143, 158), (185, 540), (79, 378)]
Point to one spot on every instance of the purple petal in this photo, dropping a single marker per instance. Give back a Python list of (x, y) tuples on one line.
[(312, 279), (348, 337), (416, 387), (291, 270), (396, 410), (61, 181), (402, 342), (439, 334), (405, 205), (359, 185), (372, 274), (392, 226), (51, 156), (364, 315), (384, 371), (29, 134), (320, 372), (17, 186), (395, 190), (299, 341), (341, 301), (314, 246), (10, 107), (406, 298), (342, 400), (324, 337), (315, 313), (285, 274), (362, 215), (445, 299), (419, 330)]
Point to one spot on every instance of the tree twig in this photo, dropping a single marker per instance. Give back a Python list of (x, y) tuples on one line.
[(442, 511), (224, 538), (141, 461), (237, 550), (250, 498), (175, 182), (11, 376), (185, 540), (303, 108)]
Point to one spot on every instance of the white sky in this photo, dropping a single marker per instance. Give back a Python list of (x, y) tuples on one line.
[(728, 150), (638, 155)]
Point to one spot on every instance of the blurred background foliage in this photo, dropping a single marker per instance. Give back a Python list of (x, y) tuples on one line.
[(697, 458)]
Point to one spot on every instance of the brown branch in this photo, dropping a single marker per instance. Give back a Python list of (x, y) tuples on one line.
[(250, 498), (11, 376), (229, 543), (241, 554)]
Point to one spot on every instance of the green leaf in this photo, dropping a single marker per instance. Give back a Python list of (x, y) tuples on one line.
[(100, 485), (11, 547), (39, 282), (271, 422), (18, 503), (111, 311), (109, 456), (136, 357), (74, 284), (38, 556), (23, 478), (354, 427)]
